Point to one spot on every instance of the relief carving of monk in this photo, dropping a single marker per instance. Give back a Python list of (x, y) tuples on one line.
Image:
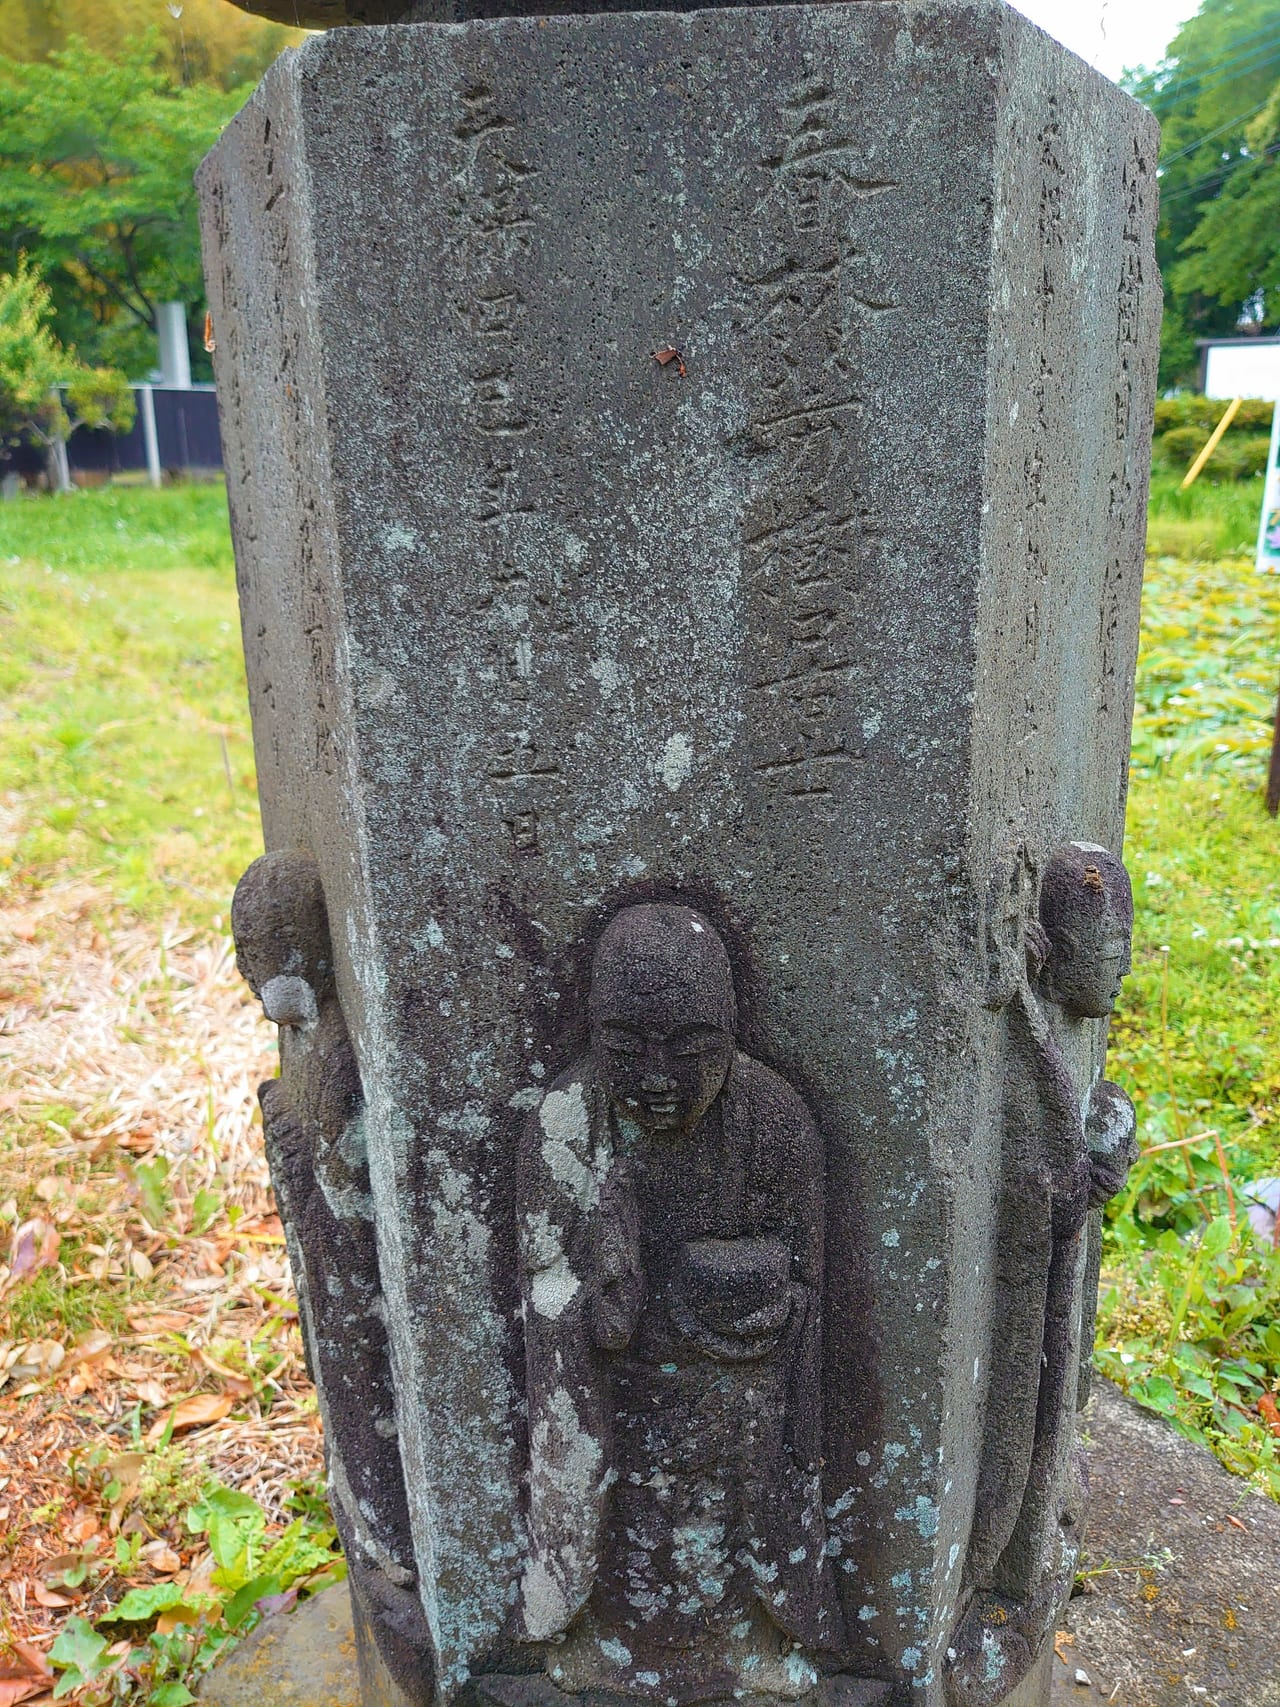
[(671, 1226), (313, 1124), (1069, 1141)]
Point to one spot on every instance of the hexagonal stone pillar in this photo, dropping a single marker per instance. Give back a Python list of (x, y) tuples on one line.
[(696, 463)]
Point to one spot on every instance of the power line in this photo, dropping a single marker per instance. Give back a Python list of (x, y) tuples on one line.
[(1231, 68), (1209, 135), (1220, 177)]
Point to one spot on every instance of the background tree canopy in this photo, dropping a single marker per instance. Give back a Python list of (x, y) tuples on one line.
[(1217, 95), (106, 109)]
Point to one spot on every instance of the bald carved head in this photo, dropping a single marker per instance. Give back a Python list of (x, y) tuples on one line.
[(663, 1016), (281, 930), (1086, 911)]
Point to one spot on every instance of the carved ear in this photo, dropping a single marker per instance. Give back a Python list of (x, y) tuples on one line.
[(1039, 949)]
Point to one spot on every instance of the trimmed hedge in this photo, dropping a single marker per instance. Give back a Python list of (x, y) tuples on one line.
[(1174, 413), (1238, 457)]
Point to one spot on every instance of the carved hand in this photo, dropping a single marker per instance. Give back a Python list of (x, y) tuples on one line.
[(1112, 1133)]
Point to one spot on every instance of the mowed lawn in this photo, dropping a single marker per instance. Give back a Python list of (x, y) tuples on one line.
[(124, 732)]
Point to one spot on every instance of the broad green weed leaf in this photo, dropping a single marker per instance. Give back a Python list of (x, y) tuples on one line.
[(1217, 1236), (244, 1600), (141, 1604), (78, 1653)]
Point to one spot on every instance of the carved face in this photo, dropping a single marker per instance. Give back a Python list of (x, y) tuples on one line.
[(662, 1016), (1089, 967), (664, 1081)]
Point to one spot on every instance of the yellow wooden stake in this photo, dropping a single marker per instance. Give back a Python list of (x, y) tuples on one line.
[(1193, 473)]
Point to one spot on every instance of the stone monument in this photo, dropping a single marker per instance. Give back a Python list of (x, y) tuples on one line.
[(687, 474)]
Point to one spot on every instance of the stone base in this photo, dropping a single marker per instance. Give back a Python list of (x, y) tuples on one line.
[(318, 1657), (502, 1690), (305, 1658), (1216, 1594), (1034, 1689)]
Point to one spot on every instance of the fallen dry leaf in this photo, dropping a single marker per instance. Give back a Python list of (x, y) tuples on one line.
[(90, 1344), (160, 1322), (24, 1674), (173, 1616), (16, 1689), (162, 1558), (195, 1412), (46, 1597), (231, 1379)]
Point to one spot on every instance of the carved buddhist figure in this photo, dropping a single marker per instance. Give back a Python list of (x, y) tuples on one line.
[(1086, 912), (1068, 1145), (312, 1118), (671, 1226)]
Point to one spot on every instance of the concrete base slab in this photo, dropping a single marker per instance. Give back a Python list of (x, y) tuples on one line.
[(305, 1658), (1181, 1559)]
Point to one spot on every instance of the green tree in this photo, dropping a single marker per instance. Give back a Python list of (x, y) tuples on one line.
[(97, 157), (205, 41), (1219, 239), (46, 392)]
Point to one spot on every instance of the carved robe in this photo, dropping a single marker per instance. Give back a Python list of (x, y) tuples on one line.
[(671, 1289), (313, 1126), (1034, 1357)]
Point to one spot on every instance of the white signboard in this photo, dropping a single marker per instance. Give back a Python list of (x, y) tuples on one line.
[(1269, 530), (1248, 368)]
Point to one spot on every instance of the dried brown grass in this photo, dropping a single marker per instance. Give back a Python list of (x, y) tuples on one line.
[(121, 1046)]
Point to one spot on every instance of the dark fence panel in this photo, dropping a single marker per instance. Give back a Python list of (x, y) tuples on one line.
[(187, 429), (187, 439), (100, 451)]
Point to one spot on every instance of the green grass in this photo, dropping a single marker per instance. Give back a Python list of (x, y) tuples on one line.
[(1190, 1315), (1198, 1034), (1208, 522), (124, 737)]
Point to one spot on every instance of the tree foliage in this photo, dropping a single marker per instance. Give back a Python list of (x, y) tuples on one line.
[(45, 390), (1217, 95), (199, 41), (97, 156)]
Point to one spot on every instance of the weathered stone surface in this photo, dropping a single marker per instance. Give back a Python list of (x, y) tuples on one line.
[(822, 628), (1185, 1602)]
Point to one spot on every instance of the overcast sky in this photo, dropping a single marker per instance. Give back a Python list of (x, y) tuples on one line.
[(1112, 34)]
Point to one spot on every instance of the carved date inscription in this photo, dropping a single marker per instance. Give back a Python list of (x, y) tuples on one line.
[(496, 215)]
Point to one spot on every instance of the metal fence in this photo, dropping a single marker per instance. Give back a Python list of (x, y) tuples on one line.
[(175, 433)]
